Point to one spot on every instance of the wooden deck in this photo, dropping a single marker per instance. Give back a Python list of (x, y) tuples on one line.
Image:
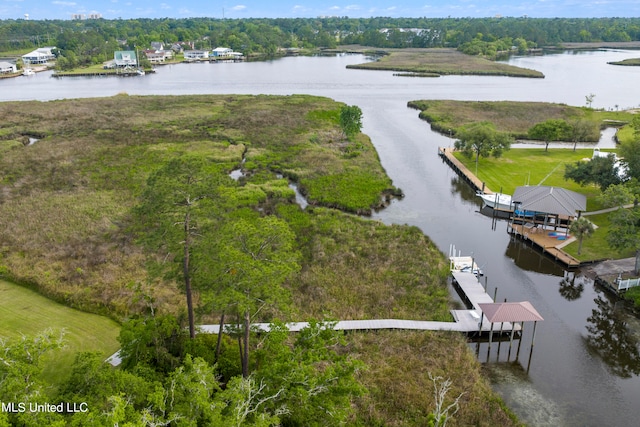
[(548, 244)]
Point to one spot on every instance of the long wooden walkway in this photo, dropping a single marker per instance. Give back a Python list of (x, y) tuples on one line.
[(466, 321)]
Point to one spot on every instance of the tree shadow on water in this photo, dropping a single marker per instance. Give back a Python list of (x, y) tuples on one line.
[(611, 339)]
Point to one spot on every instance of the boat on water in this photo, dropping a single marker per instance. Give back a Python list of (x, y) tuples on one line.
[(28, 72), (497, 201)]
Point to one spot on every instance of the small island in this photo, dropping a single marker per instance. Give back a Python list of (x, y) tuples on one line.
[(631, 62), (443, 61)]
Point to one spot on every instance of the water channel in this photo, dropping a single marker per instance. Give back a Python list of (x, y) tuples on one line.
[(585, 366)]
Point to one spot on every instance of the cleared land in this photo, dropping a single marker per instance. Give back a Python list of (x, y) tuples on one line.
[(443, 61), (24, 312), (534, 166)]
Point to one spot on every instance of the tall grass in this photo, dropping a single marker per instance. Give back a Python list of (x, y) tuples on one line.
[(516, 118), (65, 221)]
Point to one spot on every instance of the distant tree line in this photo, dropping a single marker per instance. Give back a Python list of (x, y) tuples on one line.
[(93, 41)]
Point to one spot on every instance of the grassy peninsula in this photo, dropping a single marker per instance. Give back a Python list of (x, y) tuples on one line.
[(72, 171), (513, 117), (443, 61), (634, 62)]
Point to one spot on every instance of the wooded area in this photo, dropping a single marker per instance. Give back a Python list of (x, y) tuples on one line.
[(94, 41)]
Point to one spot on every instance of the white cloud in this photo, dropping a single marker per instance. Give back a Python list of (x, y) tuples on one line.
[(64, 3), (352, 7), (165, 6), (239, 7)]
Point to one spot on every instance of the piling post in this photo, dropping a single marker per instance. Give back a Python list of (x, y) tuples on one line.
[(532, 343), (513, 328), (490, 341), (520, 342), (479, 333), (500, 339)]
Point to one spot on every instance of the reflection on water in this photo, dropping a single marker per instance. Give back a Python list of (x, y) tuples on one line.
[(611, 339), (531, 259), (571, 286)]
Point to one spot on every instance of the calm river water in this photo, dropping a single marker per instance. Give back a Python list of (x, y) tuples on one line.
[(585, 366)]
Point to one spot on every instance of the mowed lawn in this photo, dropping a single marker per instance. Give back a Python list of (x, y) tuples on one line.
[(532, 166), (25, 312)]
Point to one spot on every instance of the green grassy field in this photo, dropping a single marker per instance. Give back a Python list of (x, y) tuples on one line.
[(25, 312), (531, 166), (534, 166)]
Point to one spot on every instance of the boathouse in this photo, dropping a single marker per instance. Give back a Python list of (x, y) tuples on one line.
[(548, 206)]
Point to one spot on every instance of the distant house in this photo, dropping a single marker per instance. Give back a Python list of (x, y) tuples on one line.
[(8, 68), (221, 51), (157, 46), (157, 56), (196, 54), (125, 58), (42, 55), (225, 53)]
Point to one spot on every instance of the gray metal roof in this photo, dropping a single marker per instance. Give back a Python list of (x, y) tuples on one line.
[(553, 200), (510, 312)]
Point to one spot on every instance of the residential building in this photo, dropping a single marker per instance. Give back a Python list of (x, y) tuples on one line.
[(196, 54), (42, 55), (7, 67), (157, 56), (125, 58)]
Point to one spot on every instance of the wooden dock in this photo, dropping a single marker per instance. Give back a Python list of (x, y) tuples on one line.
[(447, 156), (465, 321), (541, 238)]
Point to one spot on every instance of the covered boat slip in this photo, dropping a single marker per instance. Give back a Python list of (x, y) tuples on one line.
[(476, 320)]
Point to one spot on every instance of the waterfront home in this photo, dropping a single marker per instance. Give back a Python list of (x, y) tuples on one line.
[(125, 58), (42, 55), (158, 56), (225, 53), (196, 54), (7, 68)]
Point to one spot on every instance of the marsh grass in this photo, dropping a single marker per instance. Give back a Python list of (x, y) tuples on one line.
[(443, 61), (66, 220), (66, 198), (512, 116), (400, 391), (360, 269)]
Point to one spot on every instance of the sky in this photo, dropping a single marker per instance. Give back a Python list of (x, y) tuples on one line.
[(129, 9)]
